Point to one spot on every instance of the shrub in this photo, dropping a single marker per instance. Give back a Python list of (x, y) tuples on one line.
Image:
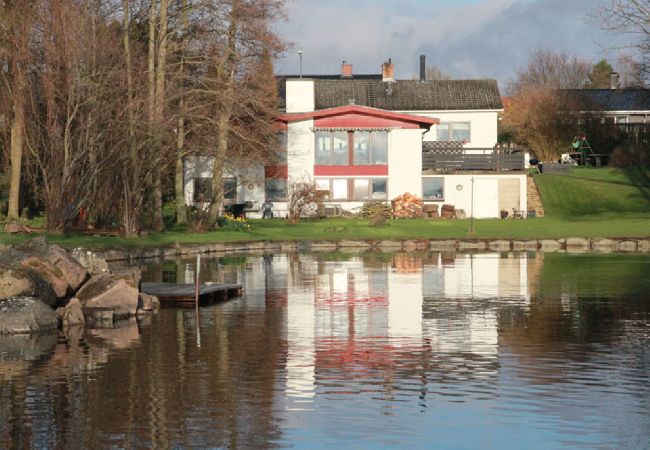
[(228, 222), (304, 199)]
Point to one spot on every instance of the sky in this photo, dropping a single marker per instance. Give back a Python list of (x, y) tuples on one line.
[(465, 38)]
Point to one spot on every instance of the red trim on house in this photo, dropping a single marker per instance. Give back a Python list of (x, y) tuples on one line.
[(336, 171), (280, 125), (356, 110), (276, 172), (357, 120)]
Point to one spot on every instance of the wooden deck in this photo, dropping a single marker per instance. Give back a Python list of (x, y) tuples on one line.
[(184, 295)]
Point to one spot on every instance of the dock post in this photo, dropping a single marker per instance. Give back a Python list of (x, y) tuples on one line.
[(197, 282)]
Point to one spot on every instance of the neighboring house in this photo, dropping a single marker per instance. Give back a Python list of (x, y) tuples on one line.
[(627, 108), (372, 138)]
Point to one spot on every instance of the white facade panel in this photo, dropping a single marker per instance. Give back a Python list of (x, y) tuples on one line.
[(300, 151), (404, 161), (458, 192), (300, 95)]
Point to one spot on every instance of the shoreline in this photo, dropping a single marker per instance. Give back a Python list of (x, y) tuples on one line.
[(569, 245)]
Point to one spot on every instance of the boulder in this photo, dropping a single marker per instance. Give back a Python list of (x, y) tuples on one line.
[(24, 315), (15, 228), (15, 283), (93, 263), (104, 292), (74, 273), (43, 269), (148, 303), (71, 314), (132, 275)]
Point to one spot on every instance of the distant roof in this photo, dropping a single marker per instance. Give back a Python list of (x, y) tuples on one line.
[(402, 95), (613, 99)]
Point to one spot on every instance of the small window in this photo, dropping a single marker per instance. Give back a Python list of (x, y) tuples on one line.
[(361, 189), (433, 189), (339, 189), (323, 184), (202, 190), (379, 189), (230, 189), (275, 190), (455, 131)]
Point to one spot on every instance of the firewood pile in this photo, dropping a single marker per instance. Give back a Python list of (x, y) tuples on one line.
[(407, 206), (447, 212)]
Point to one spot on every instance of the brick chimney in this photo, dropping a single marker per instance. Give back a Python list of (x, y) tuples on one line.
[(346, 70), (388, 71)]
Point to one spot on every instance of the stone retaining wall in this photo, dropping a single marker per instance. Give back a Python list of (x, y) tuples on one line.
[(572, 245)]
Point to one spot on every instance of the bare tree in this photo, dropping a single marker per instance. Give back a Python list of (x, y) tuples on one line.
[(631, 17), (552, 70)]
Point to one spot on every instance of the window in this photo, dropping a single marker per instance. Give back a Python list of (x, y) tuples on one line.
[(344, 148), (323, 148), (353, 189), (433, 189), (230, 190), (202, 190), (275, 190), (455, 131)]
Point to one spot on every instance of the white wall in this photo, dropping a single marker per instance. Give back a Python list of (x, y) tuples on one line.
[(300, 95), (486, 193), (483, 125), (300, 151), (404, 162)]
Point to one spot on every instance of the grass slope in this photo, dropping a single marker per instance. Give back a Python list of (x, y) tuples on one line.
[(596, 192)]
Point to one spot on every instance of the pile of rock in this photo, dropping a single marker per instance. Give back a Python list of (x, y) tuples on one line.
[(407, 206), (42, 285), (448, 212)]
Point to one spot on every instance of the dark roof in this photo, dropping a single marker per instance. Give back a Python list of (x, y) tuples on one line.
[(282, 82), (612, 99), (410, 95)]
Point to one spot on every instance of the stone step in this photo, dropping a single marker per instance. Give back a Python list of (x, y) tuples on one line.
[(533, 198)]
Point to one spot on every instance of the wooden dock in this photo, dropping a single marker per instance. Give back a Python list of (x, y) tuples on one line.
[(184, 295)]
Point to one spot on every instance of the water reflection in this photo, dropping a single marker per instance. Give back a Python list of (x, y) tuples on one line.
[(408, 350)]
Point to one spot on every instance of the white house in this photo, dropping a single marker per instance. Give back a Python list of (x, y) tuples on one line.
[(372, 138)]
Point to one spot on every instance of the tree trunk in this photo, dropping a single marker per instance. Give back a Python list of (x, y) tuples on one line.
[(17, 137), (227, 77), (179, 182)]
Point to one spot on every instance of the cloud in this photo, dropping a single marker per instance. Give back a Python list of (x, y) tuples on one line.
[(470, 39)]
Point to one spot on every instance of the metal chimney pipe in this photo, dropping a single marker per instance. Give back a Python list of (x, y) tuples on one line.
[(423, 68)]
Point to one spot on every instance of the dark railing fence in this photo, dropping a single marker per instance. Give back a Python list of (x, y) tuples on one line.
[(463, 160)]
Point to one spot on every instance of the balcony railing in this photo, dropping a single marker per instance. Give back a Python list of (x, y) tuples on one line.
[(473, 159)]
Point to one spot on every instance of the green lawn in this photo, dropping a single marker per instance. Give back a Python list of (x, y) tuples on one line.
[(585, 203), (596, 192)]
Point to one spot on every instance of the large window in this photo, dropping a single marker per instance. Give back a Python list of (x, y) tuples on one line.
[(275, 190), (454, 131), (202, 190), (343, 148), (353, 189), (433, 189)]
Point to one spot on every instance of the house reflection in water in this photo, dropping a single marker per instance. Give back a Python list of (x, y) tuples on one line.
[(366, 318)]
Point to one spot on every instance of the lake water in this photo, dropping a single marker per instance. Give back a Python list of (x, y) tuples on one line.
[(489, 351)]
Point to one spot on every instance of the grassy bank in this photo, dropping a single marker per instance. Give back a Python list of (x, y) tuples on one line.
[(585, 203)]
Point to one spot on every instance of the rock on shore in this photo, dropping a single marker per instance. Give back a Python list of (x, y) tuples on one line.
[(36, 278)]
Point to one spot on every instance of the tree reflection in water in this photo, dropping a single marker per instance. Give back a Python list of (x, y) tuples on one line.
[(336, 347)]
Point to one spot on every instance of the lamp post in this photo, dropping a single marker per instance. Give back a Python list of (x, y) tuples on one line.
[(300, 55), (471, 217)]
